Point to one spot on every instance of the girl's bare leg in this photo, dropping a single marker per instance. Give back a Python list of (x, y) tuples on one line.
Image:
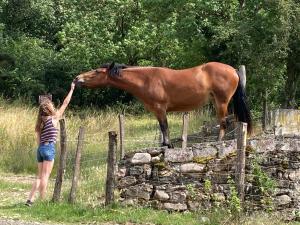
[(36, 183), (46, 170)]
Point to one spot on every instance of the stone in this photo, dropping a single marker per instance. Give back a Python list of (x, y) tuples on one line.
[(262, 145), (226, 148), (175, 206), (155, 151), (147, 170), (193, 205), (127, 181), (220, 178), (129, 202), (283, 200), (204, 220), (161, 195), (121, 172), (286, 122), (155, 159), (140, 191), (204, 152), (295, 175), (141, 158), (177, 196), (191, 168), (136, 170), (178, 155), (171, 188)]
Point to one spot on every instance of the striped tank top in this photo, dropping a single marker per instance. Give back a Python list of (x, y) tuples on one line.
[(49, 132)]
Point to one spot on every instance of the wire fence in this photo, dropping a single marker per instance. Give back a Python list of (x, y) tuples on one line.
[(93, 162)]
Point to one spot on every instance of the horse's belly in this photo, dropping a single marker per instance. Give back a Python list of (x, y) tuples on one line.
[(187, 104)]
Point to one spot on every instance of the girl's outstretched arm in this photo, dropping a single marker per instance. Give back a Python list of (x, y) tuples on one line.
[(66, 102)]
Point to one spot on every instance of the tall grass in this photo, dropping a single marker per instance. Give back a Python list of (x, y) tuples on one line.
[(18, 144)]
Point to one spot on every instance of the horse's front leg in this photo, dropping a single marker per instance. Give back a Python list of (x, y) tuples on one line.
[(161, 116), (165, 132)]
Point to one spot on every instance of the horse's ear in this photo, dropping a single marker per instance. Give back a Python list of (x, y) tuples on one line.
[(111, 66)]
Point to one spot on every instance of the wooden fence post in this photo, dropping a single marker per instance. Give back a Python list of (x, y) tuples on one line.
[(240, 165), (122, 135), (111, 163), (62, 161), (76, 169), (185, 125), (265, 112), (242, 74)]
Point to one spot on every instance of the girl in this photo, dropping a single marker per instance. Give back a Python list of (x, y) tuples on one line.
[(46, 132)]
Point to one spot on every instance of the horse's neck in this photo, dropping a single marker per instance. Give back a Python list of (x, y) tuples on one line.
[(131, 80)]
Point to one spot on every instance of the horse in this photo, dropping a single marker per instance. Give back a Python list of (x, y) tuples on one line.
[(165, 90)]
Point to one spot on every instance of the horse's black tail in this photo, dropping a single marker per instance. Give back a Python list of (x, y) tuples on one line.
[(241, 109)]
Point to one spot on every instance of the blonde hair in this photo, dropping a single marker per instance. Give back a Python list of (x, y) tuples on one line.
[(44, 110)]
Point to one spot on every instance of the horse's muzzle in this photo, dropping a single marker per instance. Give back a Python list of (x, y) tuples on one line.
[(78, 82)]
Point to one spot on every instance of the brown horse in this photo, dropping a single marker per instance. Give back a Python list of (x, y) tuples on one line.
[(165, 90)]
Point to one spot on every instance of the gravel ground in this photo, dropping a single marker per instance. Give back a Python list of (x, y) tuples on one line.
[(19, 222)]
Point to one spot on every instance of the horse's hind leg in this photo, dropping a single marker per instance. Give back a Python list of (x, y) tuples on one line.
[(221, 109)]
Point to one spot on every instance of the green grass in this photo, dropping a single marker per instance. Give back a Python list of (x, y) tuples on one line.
[(18, 145), (17, 135), (8, 186), (18, 156), (75, 214)]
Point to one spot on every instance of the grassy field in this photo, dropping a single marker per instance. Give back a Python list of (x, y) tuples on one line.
[(18, 145), (17, 136), (18, 166)]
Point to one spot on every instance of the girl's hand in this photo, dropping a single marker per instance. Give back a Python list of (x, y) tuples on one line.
[(73, 85)]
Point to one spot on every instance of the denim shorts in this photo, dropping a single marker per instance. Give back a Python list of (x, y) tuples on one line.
[(46, 152)]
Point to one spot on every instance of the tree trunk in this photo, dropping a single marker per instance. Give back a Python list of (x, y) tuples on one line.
[(291, 86)]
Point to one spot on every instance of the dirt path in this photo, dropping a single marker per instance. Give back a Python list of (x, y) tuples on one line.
[(18, 222)]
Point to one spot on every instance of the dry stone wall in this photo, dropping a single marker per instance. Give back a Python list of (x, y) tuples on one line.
[(198, 177)]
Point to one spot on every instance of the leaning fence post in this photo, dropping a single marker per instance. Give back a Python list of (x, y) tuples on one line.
[(76, 169), (185, 124), (240, 165), (111, 161), (62, 161), (122, 134)]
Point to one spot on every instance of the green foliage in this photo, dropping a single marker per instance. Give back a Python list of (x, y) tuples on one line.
[(54, 40), (207, 186), (31, 56), (192, 193), (234, 200), (265, 184)]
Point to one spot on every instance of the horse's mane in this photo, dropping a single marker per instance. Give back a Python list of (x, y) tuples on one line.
[(114, 69)]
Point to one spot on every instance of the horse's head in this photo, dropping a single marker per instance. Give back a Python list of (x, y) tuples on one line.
[(99, 77), (92, 79)]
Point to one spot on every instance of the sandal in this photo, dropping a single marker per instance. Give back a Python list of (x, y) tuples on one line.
[(29, 203)]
